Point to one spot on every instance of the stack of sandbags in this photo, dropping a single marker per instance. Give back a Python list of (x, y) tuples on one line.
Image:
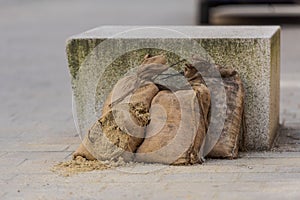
[(147, 122)]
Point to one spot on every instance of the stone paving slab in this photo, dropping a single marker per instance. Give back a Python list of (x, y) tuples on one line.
[(47, 143), (25, 146), (270, 154), (290, 105), (271, 174), (288, 140)]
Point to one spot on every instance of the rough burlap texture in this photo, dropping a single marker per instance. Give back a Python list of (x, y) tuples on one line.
[(227, 145), (174, 123), (178, 124), (120, 129), (125, 113)]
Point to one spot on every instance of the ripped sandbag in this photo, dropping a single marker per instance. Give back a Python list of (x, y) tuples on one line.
[(125, 113), (120, 129), (227, 145)]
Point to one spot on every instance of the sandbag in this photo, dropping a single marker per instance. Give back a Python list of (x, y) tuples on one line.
[(119, 131), (164, 142), (227, 145), (125, 113), (178, 125)]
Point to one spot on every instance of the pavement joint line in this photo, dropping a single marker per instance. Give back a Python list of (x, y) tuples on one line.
[(68, 155), (67, 147), (3, 154), (9, 179), (23, 161), (39, 151)]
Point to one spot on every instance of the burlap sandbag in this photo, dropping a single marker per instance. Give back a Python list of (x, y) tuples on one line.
[(178, 124), (120, 130), (227, 145)]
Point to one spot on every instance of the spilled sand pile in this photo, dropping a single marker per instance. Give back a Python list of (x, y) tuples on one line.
[(77, 165)]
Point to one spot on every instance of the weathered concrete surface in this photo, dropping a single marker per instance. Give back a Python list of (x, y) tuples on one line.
[(269, 175), (253, 51)]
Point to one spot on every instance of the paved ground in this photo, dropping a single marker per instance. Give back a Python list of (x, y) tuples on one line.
[(37, 129)]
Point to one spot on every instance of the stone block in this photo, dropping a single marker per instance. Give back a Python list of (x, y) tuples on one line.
[(99, 57)]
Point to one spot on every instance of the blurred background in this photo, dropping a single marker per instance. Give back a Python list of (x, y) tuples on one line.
[(249, 11), (35, 89)]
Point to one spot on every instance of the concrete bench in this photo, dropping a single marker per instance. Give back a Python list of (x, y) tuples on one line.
[(207, 5), (97, 58)]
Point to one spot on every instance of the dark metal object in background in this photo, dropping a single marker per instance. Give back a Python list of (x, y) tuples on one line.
[(206, 5)]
